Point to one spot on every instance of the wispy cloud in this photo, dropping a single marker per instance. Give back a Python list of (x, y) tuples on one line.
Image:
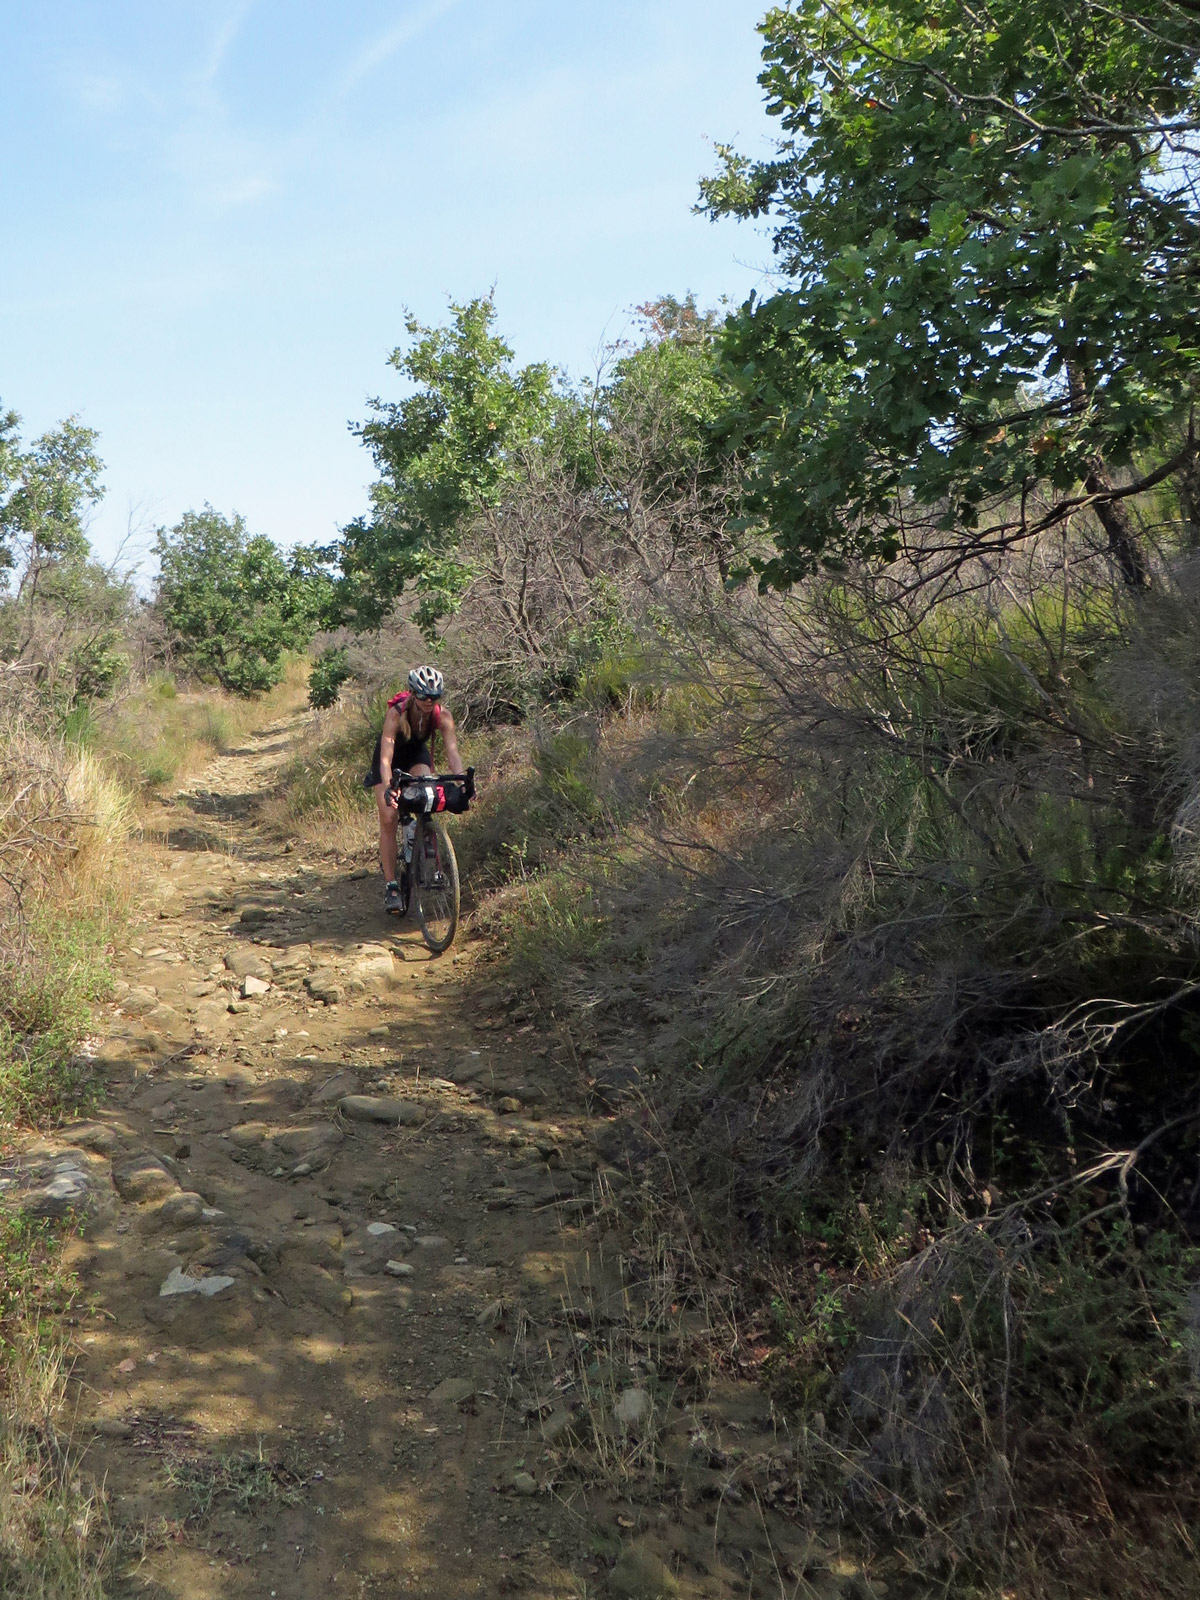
[(372, 56), (222, 40)]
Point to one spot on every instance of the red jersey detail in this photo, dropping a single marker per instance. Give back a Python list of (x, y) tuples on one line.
[(402, 700)]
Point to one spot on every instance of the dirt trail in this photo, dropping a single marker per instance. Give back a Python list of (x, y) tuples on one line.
[(390, 1389)]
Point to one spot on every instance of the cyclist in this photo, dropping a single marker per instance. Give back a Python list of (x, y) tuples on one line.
[(415, 717)]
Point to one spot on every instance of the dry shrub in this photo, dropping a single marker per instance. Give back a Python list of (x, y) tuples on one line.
[(63, 820), (37, 822), (891, 893)]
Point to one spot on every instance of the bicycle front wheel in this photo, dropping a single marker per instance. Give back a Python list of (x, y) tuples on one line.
[(435, 883)]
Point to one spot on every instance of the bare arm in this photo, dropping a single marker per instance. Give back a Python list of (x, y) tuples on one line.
[(450, 740), (387, 744)]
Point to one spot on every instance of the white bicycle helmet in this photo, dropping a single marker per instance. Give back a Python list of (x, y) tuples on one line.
[(427, 682)]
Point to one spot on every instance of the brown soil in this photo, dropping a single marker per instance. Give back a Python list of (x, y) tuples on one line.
[(295, 1434)]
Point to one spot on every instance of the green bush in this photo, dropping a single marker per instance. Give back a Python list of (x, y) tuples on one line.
[(329, 672), (232, 603)]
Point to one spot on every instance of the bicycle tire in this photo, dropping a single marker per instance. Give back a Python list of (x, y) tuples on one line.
[(435, 883)]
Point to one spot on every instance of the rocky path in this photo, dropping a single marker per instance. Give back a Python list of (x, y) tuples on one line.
[(358, 1318)]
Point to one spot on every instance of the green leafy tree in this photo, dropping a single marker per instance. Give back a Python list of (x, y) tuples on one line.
[(62, 615), (988, 217), (445, 453), (232, 602), (654, 416), (46, 492)]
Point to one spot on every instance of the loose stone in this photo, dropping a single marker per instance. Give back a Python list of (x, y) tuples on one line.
[(180, 1282), (453, 1391), (632, 1408)]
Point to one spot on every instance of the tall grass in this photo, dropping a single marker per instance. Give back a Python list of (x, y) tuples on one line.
[(320, 798), (63, 825), (55, 1538), (159, 734)]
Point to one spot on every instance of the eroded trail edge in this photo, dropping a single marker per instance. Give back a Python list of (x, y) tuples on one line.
[(357, 1315)]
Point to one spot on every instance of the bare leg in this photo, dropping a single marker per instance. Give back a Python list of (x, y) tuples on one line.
[(388, 819)]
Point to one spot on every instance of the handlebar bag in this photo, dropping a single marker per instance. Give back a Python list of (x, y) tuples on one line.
[(424, 796)]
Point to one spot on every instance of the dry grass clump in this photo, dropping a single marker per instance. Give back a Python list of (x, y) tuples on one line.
[(63, 821)]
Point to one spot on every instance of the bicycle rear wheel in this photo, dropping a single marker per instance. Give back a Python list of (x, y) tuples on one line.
[(435, 883)]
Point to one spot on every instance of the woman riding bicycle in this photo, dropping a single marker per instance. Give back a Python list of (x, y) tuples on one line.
[(415, 717)]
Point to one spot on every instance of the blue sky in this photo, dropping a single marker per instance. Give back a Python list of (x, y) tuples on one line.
[(214, 215)]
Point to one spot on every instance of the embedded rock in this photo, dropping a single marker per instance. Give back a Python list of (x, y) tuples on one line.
[(632, 1409), (139, 1001), (326, 986), (69, 1190), (308, 1141), (95, 1136), (248, 1134), (335, 1088), (381, 1108), (640, 1575), (453, 1391), (182, 1210), (256, 913), (144, 1178), (244, 962)]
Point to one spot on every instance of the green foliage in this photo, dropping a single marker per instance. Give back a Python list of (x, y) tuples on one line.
[(329, 672), (444, 453), (62, 616), (234, 605), (45, 1012), (247, 1480), (655, 415), (32, 1278), (991, 231), (46, 490)]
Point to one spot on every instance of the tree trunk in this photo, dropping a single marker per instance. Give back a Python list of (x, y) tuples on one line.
[(1187, 487), (1124, 541)]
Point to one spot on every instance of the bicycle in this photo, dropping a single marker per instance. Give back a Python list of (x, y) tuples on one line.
[(430, 872)]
